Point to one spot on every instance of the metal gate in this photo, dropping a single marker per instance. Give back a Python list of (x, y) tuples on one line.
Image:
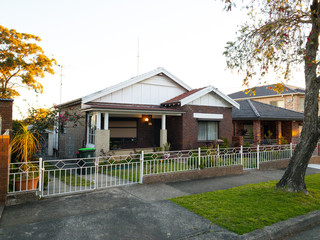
[(77, 175)]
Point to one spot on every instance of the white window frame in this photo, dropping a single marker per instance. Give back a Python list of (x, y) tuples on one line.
[(207, 137), (91, 130)]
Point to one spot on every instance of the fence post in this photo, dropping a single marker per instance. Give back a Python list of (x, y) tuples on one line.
[(199, 157), (218, 150), (40, 177), (258, 157), (290, 149), (96, 163), (141, 167), (241, 155)]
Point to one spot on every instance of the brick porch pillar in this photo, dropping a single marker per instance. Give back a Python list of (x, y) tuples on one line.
[(278, 131), (256, 132), (4, 167)]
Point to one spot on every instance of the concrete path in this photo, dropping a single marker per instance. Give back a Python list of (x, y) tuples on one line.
[(129, 212)]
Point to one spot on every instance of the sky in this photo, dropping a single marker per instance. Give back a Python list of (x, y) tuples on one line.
[(96, 43)]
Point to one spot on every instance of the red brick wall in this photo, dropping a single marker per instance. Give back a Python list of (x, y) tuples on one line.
[(189, 135), (287, 130), (174, 132), (6, 114), (148, 135), (257, 136), (295, 131), (193, 174), (4, 166)]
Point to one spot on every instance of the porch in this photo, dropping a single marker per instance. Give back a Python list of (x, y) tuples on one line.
[(267, 131), (128, 129)]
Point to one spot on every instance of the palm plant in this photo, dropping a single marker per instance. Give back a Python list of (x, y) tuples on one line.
[(25, 144)]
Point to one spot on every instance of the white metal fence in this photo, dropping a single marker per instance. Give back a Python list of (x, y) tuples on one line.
[(54, 177)]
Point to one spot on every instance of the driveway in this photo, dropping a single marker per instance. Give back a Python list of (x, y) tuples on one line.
[(129, 212)]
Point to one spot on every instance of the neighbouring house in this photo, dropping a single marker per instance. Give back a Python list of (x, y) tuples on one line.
[(261, 123), (148, 111), (291, 98), (5, 115)]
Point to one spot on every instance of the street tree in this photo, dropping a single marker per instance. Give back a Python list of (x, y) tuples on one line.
[(282, 36), (22, 62)]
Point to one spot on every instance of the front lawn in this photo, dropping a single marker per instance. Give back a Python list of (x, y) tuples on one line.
[(254, 206), (70, 177)]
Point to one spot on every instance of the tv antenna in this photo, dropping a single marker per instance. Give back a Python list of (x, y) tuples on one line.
[(138, 57), (60, 82)]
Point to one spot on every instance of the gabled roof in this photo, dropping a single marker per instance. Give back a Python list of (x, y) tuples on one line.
[(132, 81), (266, 91), (253, 110), (194, 94)]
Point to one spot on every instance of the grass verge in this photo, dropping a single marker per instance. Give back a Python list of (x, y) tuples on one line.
[(254, 206)]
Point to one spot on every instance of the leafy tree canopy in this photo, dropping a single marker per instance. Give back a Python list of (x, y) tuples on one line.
[(279, 36), (22, 61), (272, 40)]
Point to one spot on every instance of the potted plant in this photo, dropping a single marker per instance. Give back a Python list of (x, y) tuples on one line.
[(25, 144)]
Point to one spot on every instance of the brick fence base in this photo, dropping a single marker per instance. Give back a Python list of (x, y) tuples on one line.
[(193, 174), (216, 172), (279, 164), (4, 167)]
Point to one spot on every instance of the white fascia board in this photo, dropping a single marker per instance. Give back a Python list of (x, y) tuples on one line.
[(195, 96), (227, 98), (132, 81), (208, 116), (206, 90), (177, 80)]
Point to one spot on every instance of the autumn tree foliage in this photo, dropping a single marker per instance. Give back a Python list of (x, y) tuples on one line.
[(42, 119), (22, 62), (279, 37)]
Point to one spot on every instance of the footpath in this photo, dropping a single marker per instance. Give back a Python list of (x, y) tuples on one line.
[(138, 212)]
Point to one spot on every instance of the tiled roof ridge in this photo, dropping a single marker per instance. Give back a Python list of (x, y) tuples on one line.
[(253, 108)]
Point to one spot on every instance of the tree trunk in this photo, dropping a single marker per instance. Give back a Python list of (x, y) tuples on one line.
[(293, 178)]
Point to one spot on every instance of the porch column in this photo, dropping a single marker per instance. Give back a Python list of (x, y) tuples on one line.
[(102, 136), (163, 131), (278, 131), (256, 132)]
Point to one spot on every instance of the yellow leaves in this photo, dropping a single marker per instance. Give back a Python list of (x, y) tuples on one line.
[(22, 59)]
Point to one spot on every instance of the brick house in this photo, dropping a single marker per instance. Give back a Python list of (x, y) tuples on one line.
[(148, 111), (291, 98), (5, 115), (261, 123)]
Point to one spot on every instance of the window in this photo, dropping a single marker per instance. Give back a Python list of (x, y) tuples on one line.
[(123, 129), (92, 126), (207, 131), (277, 103), (302, 104)]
